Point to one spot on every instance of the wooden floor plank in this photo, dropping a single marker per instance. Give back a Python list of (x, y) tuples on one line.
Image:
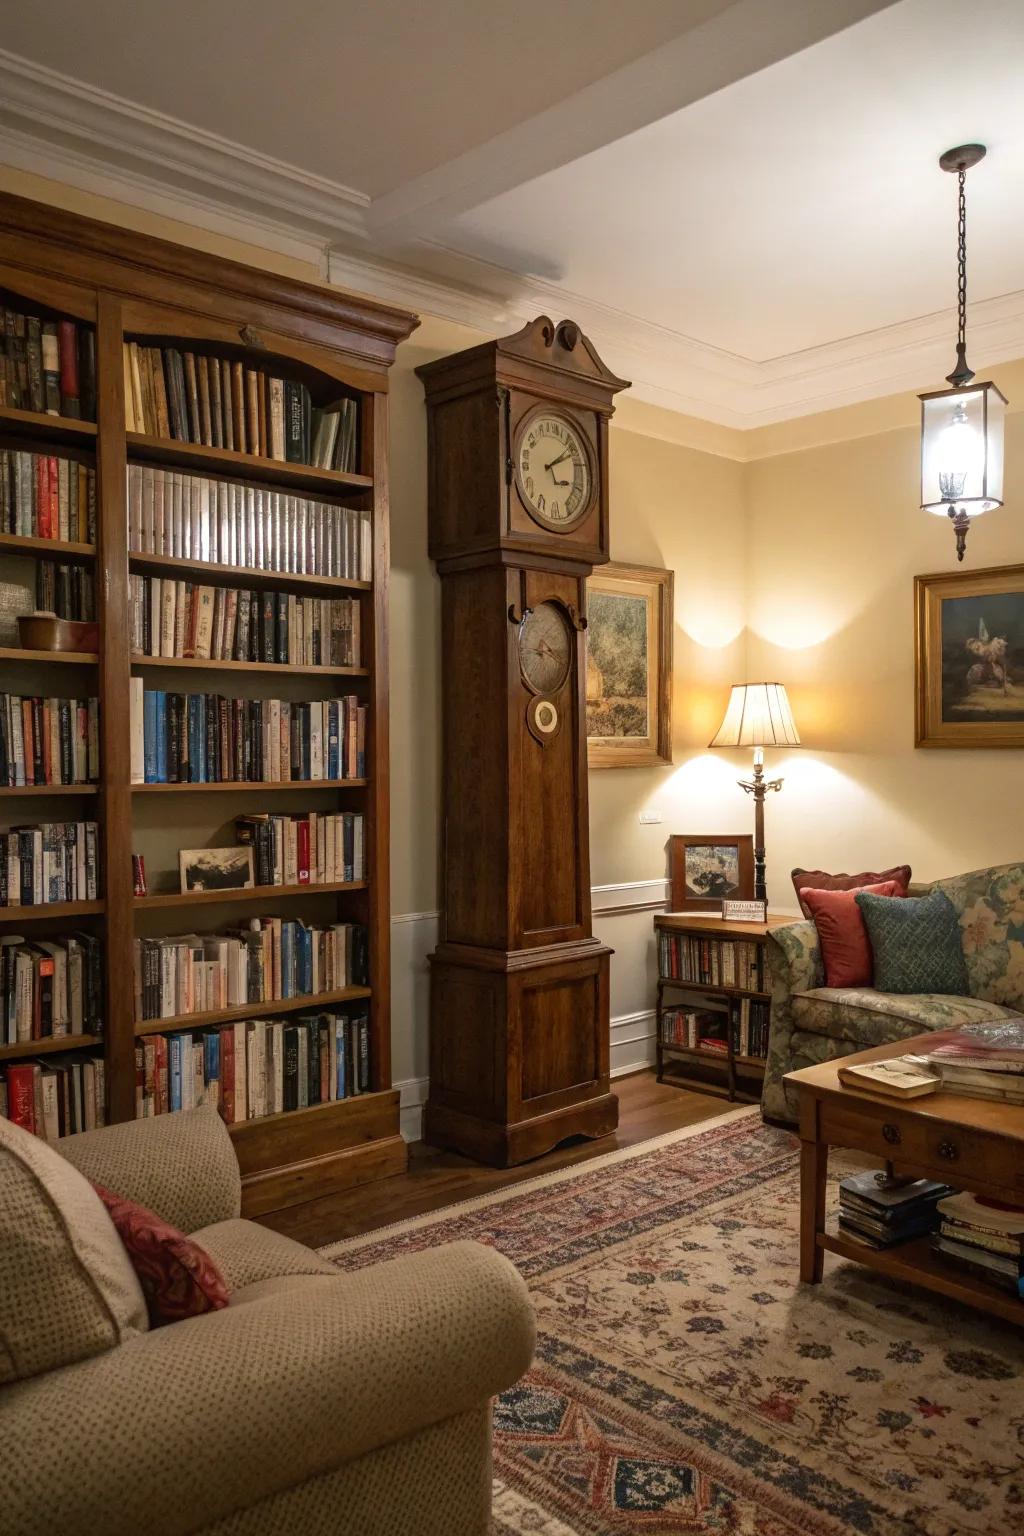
[(646, 1108)]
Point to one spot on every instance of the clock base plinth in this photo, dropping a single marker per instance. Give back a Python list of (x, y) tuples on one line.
[(519, 1050)]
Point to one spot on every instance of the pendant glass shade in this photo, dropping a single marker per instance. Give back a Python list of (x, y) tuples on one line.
[(757, 715), (962, 450)]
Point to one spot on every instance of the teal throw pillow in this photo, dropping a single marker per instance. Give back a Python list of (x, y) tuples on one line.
[(915, 941)]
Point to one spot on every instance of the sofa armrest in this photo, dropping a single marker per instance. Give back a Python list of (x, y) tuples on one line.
[(190, 1423), (794, 957), (183, 1166)]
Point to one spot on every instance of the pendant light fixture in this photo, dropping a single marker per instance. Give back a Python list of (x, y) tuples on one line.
[(962, 427)]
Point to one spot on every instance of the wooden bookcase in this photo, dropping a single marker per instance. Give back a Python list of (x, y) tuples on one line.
[(131, 286), (726, 1074)]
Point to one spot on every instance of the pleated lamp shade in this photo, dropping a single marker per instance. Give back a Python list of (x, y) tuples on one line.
[(758, 715)]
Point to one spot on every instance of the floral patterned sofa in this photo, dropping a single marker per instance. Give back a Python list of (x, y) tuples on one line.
[(813, 1023)]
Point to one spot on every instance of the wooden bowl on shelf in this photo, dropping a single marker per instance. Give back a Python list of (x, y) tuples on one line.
[(45, 632)]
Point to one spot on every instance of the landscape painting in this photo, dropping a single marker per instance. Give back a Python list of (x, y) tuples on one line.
[(971, 659), (629, 666)]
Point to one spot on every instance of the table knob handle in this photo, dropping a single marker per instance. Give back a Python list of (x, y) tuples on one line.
[(949, 1150), (892, 1134)]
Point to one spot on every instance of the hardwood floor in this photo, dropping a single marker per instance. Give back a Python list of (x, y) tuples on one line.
[(646, 1108)]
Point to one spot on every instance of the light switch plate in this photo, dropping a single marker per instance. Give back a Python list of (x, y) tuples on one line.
[(650, 818)]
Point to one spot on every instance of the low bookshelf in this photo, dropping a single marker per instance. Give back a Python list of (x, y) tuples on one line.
[(714, 1003), (230, 430)]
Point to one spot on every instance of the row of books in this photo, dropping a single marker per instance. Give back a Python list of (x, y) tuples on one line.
[(181, 619), (48, 365), (205, 517), (55, 1096), (711, 962), (222, 403), (271, 958), (49, 862), (742, 1027), (50, 987), (45, 496), (254, 1068), (884, 1214), (983, 1238), (69, 591), (205, 738), (305, 848), (48, 741)]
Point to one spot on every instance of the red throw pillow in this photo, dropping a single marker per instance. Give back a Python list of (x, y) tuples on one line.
[(178, 1278), (805, 880), (845, 946)]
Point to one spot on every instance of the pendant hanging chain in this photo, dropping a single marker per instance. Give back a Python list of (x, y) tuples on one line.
[(962, 259)]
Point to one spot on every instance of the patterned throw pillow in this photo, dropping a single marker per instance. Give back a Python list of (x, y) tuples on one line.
[(178, 1278), (817, 880), (916, 943)]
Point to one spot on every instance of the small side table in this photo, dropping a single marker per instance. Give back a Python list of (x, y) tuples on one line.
[(705, 962)]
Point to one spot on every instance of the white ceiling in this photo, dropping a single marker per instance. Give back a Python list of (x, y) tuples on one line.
[(738, 199)]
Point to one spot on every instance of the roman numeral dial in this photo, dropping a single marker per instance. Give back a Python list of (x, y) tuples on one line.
[(553, 470)]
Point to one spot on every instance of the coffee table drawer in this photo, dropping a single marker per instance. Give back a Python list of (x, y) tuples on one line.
[(960, 1155)]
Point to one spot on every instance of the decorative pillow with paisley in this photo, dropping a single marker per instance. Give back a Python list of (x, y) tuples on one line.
[(178, 1278)]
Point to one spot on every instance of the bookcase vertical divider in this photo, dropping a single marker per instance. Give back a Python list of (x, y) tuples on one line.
[(375, 451), (114, 673)]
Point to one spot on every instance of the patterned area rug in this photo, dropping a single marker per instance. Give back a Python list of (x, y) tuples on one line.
[(685, 1381)]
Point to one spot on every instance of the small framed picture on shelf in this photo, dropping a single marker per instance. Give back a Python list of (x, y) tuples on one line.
[(216, 869), (706, 871)]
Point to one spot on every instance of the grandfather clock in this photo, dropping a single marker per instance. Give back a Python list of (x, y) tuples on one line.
[(519, 1043)]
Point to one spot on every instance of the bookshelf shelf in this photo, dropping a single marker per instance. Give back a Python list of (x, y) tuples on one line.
[(47, 1045), (41, 424), (245, 465), (60, 658), (244, 576), (308, 1002), (51, 549), (200, 663), (667, 982), (241, 785), (44, 911), (253, 893), (128, 286)]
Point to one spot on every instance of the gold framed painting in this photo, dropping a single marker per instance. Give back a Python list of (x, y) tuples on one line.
[(629, 666), (969, 658)]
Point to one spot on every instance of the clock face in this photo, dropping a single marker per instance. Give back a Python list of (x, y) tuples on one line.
[(553, 470), (545, 648)]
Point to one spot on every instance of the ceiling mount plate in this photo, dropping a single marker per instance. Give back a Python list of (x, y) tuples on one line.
[(962, 158)]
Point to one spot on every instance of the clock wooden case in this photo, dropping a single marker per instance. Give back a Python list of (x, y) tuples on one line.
[(518, 503)]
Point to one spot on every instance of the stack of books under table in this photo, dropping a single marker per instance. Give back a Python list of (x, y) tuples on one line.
[(984, 1237), (890, 1212)]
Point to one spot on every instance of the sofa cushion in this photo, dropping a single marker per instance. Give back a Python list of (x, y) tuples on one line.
[(177, 1275), (67, 1287), (246, 1253), (845, 947), (819, 880), (915, 943), (869, 1017)]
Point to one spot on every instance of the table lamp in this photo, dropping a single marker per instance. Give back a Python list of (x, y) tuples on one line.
[(758, 715)]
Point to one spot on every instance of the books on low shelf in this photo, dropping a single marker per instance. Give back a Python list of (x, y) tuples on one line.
[(983, 1237), (305, 847), (47, 496), (69, 591), (48, 741), (255, 1067), (55, 1096), (740, 1026), (204, 738), (48, 365), (227, 522), (885, 1213), (183, 619), (49, 862), (711, 962), (50, 987), (192, 397), (272, 958)]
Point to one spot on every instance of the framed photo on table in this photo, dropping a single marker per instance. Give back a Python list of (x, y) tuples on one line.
[(969, 658), (705, 871), (629, 666)]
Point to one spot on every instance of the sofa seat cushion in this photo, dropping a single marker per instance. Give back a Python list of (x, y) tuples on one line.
[(246, 1253), (869, 1017), (67, 1287)]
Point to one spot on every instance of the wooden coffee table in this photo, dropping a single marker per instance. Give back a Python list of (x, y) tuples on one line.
[(973, 1144)]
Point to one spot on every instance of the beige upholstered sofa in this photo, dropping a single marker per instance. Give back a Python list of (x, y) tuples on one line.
[(317, 1402)]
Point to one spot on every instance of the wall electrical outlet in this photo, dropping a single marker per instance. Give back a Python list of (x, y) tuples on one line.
[(650, 818)]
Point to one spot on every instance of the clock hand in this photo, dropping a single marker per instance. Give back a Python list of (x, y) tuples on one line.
[(566, 455), (561, 482)]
